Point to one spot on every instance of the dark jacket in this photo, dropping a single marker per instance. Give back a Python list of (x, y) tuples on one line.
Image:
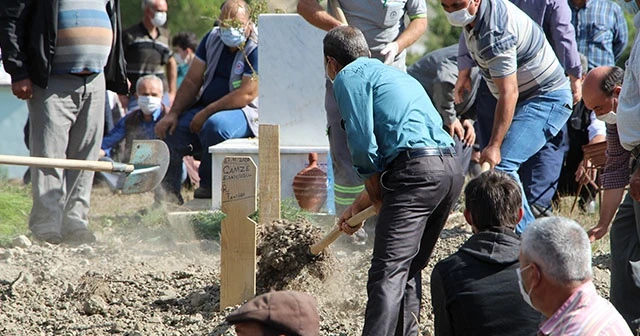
[(28, 31), (475, 291)]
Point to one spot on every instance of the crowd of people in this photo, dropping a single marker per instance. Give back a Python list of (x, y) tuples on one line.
[(528, 83)]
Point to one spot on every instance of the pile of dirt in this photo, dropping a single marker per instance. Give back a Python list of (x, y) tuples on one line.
[(284, 260), (121, 286)]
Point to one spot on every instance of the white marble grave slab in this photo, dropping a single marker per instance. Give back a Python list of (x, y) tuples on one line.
[(292, 79)]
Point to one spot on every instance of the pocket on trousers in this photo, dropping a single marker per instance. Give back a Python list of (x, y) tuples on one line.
[(558, 117)]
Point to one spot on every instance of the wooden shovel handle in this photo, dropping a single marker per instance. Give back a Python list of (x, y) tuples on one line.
[(355, 220), (485, 166), (103, 166)]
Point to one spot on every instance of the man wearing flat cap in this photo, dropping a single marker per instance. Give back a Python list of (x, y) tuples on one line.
[(285, 313)]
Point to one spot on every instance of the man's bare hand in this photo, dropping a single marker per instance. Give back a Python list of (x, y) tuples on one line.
[(583, 176), (469, 132), (597, 232), (491, 154), (168, 123), (576, 89), (198, 120), (344, 217), (22, 89), (463, 86), (456, 129)]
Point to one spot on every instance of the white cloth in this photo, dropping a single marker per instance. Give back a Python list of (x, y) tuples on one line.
[(628, 102), (596, 127)]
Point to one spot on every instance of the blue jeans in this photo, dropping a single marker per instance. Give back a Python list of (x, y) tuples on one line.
[(541, 173), (221, 126), (535, 121)]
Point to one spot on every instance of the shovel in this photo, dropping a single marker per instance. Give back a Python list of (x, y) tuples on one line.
[(149, 163), (355, 220)]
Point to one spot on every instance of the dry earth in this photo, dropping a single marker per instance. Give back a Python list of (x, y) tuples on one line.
[(132, 283)]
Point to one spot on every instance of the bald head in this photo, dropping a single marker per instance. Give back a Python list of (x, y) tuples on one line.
[(601, 87), (235, 10)]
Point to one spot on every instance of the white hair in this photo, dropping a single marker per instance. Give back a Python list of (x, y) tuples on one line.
[(560, 247), (148, 77)]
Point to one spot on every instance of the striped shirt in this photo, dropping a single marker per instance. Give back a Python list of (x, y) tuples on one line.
[(601, 31), (84, 37), (585, 313), (146, 55), (504, 41)]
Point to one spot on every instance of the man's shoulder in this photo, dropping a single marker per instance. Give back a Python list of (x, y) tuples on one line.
[(136, 28)]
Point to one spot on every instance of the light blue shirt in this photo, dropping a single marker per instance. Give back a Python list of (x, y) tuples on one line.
[(385, 111)]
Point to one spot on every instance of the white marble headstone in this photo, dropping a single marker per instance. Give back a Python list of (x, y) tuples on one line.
[(292, 79)]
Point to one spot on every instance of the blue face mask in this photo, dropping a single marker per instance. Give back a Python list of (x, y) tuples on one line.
[(630, 7), (232, 37)]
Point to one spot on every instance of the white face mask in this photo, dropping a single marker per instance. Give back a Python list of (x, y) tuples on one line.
[(178, 58), (159, 19), (149, 104), (609, 118), (461, 17), (525, 296), (326, 73)]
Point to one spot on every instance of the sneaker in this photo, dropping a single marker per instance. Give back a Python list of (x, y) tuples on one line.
[(202, 193), (79, 237), (49, 237)]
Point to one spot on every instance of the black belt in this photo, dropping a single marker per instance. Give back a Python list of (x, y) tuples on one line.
[(424, 151)]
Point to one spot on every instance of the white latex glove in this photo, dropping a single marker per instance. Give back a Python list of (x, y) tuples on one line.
[(390, 52)]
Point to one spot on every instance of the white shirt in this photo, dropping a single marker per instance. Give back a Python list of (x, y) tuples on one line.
[(628, 102)]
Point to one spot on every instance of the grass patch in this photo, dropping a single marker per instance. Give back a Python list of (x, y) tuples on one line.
[(15, 205), (207, 225)]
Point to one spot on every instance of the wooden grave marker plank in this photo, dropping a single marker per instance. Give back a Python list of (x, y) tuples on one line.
[(238, 233), (269, 154)]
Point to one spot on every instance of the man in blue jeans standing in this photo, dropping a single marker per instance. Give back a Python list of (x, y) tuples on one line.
[(218, 99), (522, 72), (410, 172)]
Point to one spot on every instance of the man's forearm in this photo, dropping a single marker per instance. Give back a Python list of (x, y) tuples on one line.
[(172, 75), (311, 11), (505, 110), (414, 30), (611, 199), (233, 100)]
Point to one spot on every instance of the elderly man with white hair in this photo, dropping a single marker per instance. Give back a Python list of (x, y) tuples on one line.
[(555, 279)]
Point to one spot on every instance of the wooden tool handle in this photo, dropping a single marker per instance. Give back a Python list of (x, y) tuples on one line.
[(103, 166), (355, 220), (485, 166), (337, 11)]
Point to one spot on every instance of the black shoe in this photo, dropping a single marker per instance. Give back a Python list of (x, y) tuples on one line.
[(51, 238), (202, 193), (79, 237)]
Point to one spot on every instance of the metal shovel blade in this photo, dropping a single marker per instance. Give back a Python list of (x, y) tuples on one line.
[(151, 160)]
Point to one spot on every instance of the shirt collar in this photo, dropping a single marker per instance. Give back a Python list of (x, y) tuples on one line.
[(480, 15), (580, 297)]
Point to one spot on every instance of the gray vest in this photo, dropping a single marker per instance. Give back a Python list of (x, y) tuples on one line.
[(214, 47)]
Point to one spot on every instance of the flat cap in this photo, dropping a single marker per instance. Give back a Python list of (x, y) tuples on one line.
[(290, 312)]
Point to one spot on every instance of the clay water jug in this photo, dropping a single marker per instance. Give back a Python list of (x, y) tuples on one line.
[(310, 186)]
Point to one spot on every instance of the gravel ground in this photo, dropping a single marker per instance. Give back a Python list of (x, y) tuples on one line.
[(127, 286)]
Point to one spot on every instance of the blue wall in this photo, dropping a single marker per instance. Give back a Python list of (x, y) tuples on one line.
[(13, 115)]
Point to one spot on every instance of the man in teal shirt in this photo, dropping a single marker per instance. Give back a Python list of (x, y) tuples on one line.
[(407, 160)]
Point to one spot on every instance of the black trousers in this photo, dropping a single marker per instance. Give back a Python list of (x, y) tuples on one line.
[(418, 195)]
